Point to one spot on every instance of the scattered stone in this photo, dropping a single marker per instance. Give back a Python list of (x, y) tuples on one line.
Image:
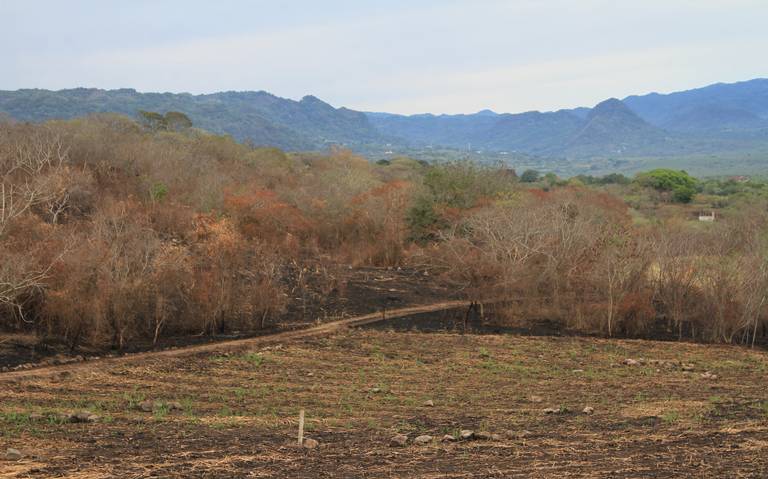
[(536, 399), (510, 434), (466, 435), (429, 403), (483, 435), (708, 375), (687, 367), (310, 374), (423, 439), (83, 416), (60, 417), (588, 410), (577, 371), (631, 362), (401, 440), (12, 454), (448, 438), (551, 410), (147, 406), (496, 437), (174, 406), (375, 390), (310, 443), (36, 416)]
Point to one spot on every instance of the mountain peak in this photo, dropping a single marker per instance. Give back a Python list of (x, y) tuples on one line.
[(610, 106)]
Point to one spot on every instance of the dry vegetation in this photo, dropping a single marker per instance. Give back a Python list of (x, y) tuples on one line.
[(237, 411), (113, 234)]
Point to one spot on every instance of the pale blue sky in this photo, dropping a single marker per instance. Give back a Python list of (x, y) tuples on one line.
[(446, 56)]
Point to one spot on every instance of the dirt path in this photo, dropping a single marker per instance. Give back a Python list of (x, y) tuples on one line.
[(237, 344)]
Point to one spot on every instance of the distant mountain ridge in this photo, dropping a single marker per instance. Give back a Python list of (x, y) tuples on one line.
[(720, 117), (259, 117)]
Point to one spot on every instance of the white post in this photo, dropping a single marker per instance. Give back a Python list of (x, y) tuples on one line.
[(301, 427)]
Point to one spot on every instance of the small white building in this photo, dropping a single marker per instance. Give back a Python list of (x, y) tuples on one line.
[(703, 216)]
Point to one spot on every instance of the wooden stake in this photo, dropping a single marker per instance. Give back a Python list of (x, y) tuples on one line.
[(301, 427)]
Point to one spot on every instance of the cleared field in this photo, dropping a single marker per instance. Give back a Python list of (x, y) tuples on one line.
[(219, 414)]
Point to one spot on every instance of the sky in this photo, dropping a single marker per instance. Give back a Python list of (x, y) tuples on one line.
[(438, 56)]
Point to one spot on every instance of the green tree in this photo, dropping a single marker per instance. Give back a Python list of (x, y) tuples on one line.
[(177, 121), (152, 120), (679, 184), (530, 176)]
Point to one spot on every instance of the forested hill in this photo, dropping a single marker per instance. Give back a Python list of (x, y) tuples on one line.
[(709, 120), (259, 117)]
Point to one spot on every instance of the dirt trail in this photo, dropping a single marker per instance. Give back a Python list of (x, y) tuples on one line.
[(236, 344)]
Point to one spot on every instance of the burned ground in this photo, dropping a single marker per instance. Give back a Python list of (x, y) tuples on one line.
[(237, 411)]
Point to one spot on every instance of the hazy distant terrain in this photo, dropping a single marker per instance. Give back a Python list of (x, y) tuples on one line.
[(694, 126)]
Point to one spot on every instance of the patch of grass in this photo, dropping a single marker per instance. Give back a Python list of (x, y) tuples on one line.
[(670, 417), (134, 398), (226, 411), (16, 418), (160, 411), (255, 359)]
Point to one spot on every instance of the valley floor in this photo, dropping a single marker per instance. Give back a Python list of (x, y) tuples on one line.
[(659, 409)]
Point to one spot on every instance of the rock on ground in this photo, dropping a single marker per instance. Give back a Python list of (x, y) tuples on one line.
[(399, 441), (83, 416), (12, 454), (310, 443), (466, 434), (423, 439)]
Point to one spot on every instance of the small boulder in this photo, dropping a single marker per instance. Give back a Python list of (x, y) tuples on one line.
[(536, 399), (687, 367), (448, 438), (588, 410), (708, 375), (12, 454), (375, 390), (466, 435), (401, 440), (147, 406), (483, 435), (423, 439), (630, 362), (310, 443), (518, 434), (83, 416), (551, 410), (174, 406), (429, 403)]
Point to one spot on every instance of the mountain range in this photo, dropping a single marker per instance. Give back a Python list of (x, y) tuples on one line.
[(708, 120)]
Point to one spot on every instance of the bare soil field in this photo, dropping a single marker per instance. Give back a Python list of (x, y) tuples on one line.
[(538, 406)]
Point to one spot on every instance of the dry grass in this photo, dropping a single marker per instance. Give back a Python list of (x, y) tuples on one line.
[(239, 411)]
